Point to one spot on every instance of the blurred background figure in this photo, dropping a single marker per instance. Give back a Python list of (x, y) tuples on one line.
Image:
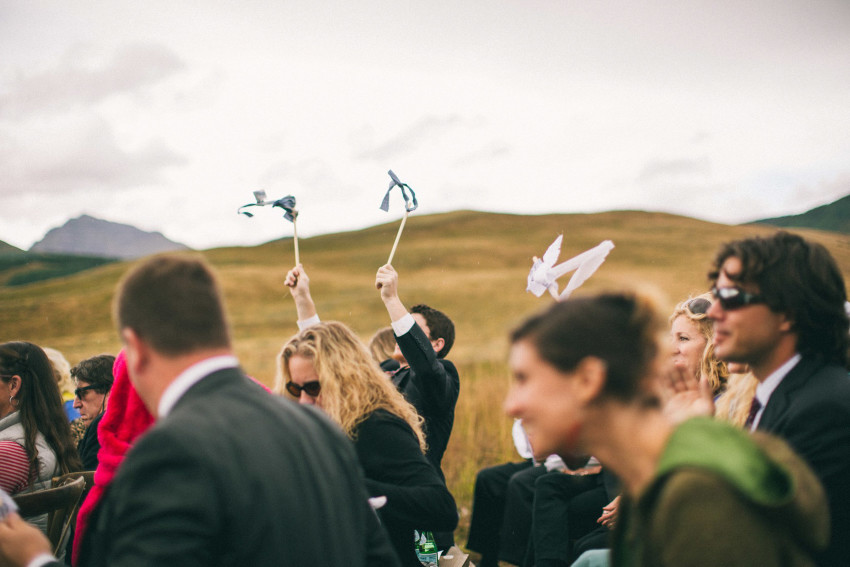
[(585, 382), (382, 345), (62, 369), (124, 420), (35, 439), (93, 380), (691, 334)]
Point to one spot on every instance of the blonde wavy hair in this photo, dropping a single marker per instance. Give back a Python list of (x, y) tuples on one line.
[(710, 365), (62, 371), (733, 405), (382, 344), (353, 386)]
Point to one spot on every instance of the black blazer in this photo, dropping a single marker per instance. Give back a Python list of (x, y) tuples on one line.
[(432, 386), (417, 498), (811, 410), (235, 476)]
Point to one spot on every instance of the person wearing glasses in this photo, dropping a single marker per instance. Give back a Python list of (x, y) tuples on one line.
[(691, 335), (93, 380), (228, 475), (326, 365), (780, 309), (35, 438), (585, 373)]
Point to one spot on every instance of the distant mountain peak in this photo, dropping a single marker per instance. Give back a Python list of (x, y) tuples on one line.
[(86, 235)]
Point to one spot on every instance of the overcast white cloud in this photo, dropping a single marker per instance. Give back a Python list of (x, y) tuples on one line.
[(167, 115)]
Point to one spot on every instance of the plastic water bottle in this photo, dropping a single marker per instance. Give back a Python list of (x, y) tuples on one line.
[(426, 549)]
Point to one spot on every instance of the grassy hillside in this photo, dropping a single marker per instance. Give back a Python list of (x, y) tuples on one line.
[(6, 248), (24, 268), (471, 265), (833, 216)]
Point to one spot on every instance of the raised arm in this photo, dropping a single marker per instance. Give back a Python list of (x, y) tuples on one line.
[(298, 283), (433, 379), (386, 281)]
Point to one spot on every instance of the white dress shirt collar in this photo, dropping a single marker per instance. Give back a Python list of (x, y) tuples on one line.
[(765, 389), (190, 377)]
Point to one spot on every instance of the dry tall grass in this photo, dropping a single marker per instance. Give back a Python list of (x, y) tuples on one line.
[(471, 265)]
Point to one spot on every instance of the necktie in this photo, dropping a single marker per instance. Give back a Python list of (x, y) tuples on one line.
[(754, 409)]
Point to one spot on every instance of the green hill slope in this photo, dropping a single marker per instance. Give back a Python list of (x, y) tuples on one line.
[(6, 248), (834, 216)]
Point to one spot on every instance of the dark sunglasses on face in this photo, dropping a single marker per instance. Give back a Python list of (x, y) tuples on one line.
[(312, 388), (78, 393), (731, 298), (698, 305)]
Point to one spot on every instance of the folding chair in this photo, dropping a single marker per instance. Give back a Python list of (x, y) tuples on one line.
[(60, 504)]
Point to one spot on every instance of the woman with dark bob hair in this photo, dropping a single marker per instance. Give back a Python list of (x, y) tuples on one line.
[(35, 438), (586, 374)]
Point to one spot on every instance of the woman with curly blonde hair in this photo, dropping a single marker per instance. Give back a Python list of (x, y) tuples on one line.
[(326, 365), (691, 332)]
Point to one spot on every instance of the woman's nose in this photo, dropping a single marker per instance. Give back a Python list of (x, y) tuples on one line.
[(305, 399)]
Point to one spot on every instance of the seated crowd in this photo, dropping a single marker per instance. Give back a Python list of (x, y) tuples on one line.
[(719, 438)]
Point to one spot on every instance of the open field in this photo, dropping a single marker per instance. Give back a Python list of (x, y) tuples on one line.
[(471, 265)]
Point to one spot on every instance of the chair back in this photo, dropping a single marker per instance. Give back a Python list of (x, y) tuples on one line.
[(60, 504)]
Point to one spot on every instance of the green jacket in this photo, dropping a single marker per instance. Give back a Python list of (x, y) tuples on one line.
[(722, 496)]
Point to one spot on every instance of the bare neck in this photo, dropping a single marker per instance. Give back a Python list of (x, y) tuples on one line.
[(629, 439)]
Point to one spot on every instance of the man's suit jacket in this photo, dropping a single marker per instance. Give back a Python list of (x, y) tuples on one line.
[(237, 476), (432, 386), (811, 410)]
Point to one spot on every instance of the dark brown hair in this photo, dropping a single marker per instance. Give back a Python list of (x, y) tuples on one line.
[(801, 279), (621, 330), (174, 304), (97, 371), (439, 324), (40, 405)]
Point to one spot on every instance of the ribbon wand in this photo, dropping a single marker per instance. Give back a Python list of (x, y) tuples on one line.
[(410, 204), (286, 203)]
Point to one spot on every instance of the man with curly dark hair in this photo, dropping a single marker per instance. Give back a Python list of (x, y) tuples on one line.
[(781, 309)]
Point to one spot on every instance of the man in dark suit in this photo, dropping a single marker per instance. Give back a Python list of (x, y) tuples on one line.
[(781, 309), (428, 381), (424, 336), (229, 474)]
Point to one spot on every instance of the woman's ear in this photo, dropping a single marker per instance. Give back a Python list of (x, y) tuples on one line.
[(590, 375), (14, 385)]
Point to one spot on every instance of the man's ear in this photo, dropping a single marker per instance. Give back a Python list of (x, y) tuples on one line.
[(137, 351), (786, 324), (590, 376), (438, 344)]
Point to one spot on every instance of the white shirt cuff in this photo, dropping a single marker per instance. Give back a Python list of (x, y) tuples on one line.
[(403, 325), (40, 560), (307, 323)]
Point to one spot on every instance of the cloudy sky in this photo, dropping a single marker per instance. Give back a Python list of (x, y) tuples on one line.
[(168, 114)]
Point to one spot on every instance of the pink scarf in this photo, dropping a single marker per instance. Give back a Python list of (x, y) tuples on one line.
[(126, 418)]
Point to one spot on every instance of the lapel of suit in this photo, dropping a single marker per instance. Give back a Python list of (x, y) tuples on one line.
[(782, 396), (400, 377)]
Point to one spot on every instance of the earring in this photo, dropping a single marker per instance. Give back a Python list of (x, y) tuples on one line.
[(12, 402)]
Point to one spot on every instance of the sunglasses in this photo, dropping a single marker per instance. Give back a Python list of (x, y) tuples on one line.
[(731, 298), (312, 388), (698, 305), (80, 391)]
